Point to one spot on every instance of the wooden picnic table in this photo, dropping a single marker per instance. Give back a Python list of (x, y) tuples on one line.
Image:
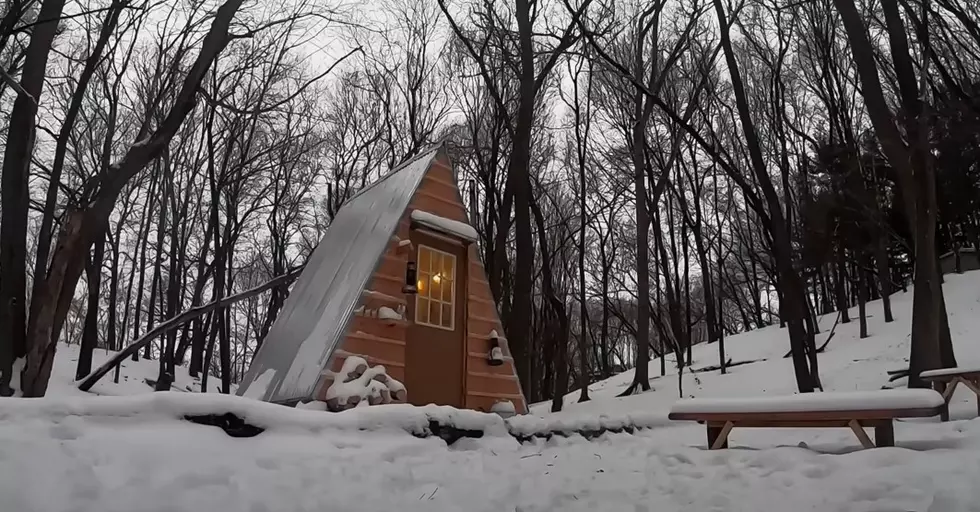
[(855, 410), (945, 380)]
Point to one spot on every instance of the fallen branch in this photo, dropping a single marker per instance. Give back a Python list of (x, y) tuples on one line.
[(729, 364), (180, 320), (833, 330)]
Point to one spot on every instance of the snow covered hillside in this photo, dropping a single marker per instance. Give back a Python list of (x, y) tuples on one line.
[(847, 364), (132, 376), (137, 454)]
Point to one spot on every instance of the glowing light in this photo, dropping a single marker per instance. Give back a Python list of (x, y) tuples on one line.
[(436, 278)]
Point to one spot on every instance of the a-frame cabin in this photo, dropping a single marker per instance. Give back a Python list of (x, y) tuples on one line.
[(354, 298)]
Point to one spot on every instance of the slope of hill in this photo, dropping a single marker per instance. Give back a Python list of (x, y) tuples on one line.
[(133, 376), (847, 364)]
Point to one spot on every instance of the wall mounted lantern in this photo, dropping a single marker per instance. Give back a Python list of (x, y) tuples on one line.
[(496, 355), (411, 277)]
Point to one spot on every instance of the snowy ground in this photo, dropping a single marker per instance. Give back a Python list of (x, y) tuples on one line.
[(848, 363), (132, 376), (74, 455)]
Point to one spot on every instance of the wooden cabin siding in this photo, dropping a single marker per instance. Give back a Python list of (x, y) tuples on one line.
[(379, 343), (485, 384), (377, 340)]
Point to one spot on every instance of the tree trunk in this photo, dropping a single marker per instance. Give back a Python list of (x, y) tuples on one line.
[(90, 333), (884, 274), (840, 289), (794, 302), (15, 195), (144, 238), (861, 282)]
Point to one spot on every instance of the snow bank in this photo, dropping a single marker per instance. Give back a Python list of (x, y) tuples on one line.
[(454, 227), (827, 401), (153, 407), (526, 426), (117, 465)]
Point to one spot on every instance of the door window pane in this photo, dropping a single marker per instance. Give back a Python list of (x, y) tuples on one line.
[(435, 304), (434, 316), (422, 310)]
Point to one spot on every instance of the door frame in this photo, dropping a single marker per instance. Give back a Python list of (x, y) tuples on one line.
[(463, 266)]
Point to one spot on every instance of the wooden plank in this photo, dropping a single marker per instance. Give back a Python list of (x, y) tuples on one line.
[(479, 364), (392, 329), (808, 416), (372, 299), (861, 434), (388, 284), (500, 384), (512, 397), (768, 423), (341, 355), (950, 376)]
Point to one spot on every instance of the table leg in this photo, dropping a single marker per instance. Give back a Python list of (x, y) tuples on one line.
[(861, 434), (718, 436), (940, 388), (885, 434)]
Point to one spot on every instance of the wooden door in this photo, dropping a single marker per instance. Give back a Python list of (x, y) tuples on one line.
[(434, 351)]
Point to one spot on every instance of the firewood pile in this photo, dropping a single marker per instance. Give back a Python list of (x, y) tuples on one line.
[(357, 382)]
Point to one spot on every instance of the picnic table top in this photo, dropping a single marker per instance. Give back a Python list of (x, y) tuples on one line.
[(840, 401), (950, 372)]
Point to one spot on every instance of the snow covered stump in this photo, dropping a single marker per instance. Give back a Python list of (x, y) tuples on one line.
[(855, 410)]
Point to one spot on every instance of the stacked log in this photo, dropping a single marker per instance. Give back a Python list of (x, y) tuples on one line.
[(357, 381)]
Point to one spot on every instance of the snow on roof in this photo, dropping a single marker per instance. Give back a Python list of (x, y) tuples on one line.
[(827, 401), (452, 227), (317, 311), (944, 372)]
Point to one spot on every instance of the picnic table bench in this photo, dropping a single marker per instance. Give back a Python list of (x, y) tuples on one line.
[(945, 380), (855, 410)]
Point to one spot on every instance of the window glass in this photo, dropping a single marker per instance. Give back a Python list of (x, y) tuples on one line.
[(435, 302)]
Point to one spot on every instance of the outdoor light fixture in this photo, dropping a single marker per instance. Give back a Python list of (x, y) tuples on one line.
[(411, 275), (496, 355)]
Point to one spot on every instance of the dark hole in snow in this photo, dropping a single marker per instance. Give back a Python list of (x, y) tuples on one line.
[(448, 433), (231, 424)]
